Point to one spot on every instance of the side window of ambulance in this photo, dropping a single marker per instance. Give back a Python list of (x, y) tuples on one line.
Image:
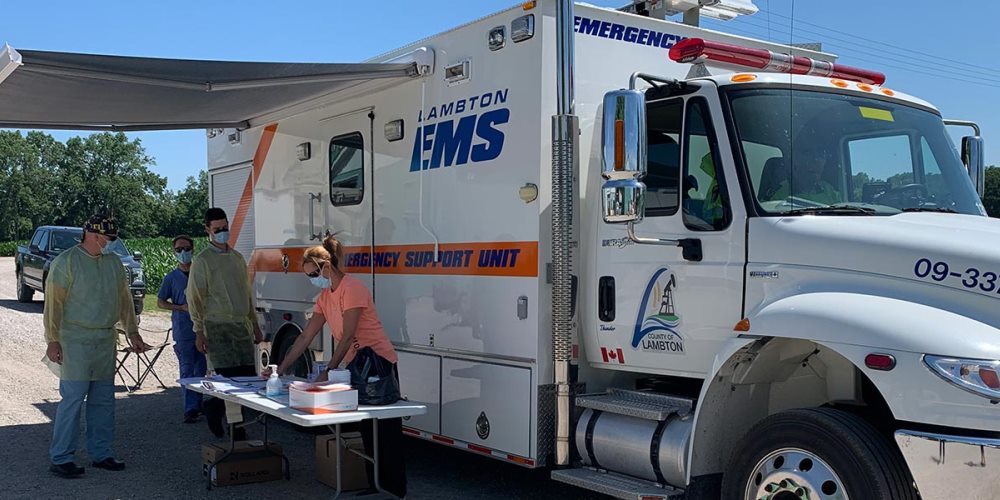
[(705, 202), (663, 162), (347, 169)]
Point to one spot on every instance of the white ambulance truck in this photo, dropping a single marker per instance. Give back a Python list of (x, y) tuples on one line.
[(783, 280), (773, 275)]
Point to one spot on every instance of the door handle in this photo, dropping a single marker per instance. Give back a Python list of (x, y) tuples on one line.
[(606, 299), (318, 197)]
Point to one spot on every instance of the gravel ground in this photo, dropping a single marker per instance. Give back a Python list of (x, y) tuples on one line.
[(163, 455)]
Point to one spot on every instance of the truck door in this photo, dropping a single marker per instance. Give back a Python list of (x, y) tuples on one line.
[(660, 310), (34, 260), (348, 201)]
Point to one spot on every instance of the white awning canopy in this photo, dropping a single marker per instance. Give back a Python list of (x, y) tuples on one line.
[(60, 90)]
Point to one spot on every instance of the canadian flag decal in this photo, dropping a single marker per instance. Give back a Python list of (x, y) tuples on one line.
[(615, 355)]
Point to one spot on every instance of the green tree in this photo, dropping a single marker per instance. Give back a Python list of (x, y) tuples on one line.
[(107, 171), (26, 181), (189, 206), (991, 196)]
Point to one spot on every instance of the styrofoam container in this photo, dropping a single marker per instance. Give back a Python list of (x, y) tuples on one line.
[(326, 398)]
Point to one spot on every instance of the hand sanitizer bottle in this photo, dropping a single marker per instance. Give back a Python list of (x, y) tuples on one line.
[(273, 383)]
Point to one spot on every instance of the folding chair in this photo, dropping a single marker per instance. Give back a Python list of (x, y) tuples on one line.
[(144, 364)]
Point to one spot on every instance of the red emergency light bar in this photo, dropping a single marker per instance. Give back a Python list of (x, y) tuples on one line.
[(694, 49)]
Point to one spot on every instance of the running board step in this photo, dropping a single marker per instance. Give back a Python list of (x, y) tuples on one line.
[(616, 485), (640, 404)]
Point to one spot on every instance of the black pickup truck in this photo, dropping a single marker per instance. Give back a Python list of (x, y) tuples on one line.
[(32, 262)]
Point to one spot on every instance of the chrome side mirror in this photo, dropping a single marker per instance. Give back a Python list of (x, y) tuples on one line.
[(624, 201), (972, 157), (623, 156)]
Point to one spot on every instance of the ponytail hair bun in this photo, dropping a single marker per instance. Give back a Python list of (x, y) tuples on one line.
[(330, 251), (335, 251)]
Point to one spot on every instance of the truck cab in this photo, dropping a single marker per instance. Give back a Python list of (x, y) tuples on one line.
[(791, 246)]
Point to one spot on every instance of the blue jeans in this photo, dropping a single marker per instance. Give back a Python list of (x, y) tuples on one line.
[(192, 364), (100, 397)]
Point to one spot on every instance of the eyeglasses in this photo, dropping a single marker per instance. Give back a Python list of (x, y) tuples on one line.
[(182, 249), (319, 268)]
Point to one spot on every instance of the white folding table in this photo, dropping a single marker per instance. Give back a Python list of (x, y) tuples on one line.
[(278, 407)]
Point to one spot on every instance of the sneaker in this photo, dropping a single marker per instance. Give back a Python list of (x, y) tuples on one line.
[(190, 416), (109, 464), (67, 470)]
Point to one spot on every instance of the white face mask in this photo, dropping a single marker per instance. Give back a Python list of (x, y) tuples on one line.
[(221, 237), (183, 257), (320, 282)]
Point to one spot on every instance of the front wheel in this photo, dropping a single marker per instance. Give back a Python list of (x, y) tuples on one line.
[(24, 292), (817, 453), (302, 366)]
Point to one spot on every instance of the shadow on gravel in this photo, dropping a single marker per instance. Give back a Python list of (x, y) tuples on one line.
[(163, 457), (27, 307)]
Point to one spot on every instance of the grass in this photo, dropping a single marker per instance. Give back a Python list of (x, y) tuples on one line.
[(149, 304)]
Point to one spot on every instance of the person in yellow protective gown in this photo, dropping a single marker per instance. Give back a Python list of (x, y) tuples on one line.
[(86, 293), (807, 179), (221, 305)]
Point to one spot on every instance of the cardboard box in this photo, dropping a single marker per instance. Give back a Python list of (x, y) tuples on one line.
[(353, 473), (249, 463), (323, 399)]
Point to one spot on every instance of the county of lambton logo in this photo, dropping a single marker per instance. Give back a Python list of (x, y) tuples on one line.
[(656, 332)]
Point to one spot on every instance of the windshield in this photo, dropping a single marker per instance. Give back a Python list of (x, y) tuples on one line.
[(62, 240), (118, 247), (810, 150)]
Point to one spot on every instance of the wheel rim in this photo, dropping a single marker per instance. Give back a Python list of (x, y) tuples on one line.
[(794, 474)]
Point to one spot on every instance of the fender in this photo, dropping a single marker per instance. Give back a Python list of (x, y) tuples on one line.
[(877, 322), (851, 326)]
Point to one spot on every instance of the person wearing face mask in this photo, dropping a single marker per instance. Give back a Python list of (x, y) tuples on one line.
[(172, 298), (86, 293), (220, 300), (346, 306)]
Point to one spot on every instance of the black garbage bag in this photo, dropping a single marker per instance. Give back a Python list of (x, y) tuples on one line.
[(374, 377)]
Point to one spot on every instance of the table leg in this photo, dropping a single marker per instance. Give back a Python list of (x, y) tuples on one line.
[(340, 462), (229, 451)]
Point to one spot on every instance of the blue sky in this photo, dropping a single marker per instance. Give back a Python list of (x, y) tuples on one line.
[(946, 56)]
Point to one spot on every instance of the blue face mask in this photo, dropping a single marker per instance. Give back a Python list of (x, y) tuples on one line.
[(221, 237), (107, 250), (183, 257), (320, 282)]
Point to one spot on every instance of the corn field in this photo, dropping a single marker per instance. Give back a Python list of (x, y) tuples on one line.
[(158, 258)]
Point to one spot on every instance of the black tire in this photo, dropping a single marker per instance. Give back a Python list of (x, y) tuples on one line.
[(867, 464), (24, 292), (302, 366)]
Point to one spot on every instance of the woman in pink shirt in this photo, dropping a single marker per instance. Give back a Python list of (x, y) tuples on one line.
[(346, 305)]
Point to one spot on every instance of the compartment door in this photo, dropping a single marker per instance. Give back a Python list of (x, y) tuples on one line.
[(420, 382), (487, 404)]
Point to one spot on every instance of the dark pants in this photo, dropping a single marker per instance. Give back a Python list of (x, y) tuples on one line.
[(192, 364), (216, 408), (392, 470)]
